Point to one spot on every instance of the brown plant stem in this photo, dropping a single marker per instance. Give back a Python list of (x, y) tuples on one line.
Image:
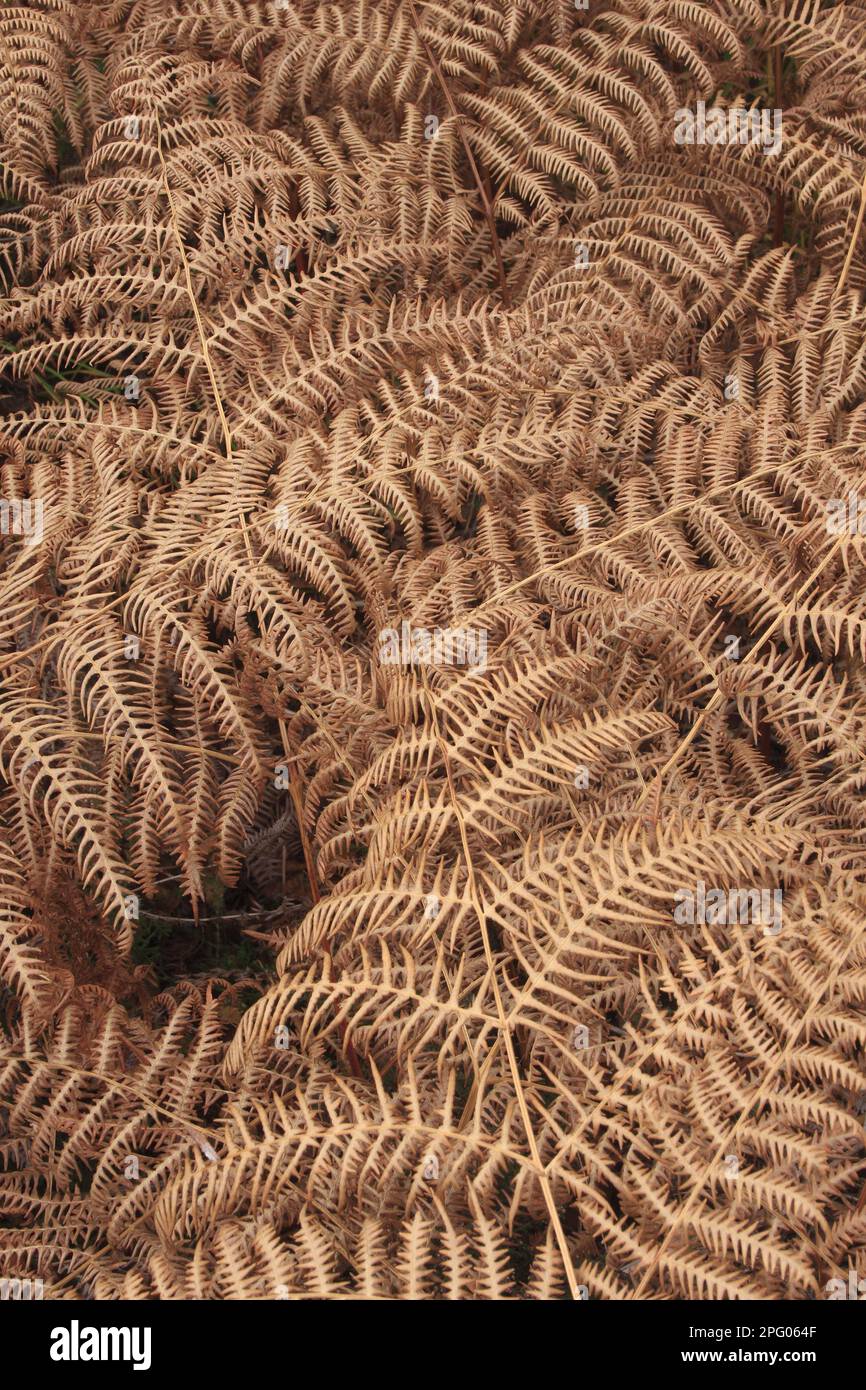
[(779, 204), (479, 182), (312, 875)]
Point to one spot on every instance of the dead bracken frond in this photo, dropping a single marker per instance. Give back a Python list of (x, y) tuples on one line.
[(433, 649)]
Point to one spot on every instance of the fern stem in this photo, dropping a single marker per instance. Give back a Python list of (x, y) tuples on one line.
[(312, 876), (198, 317), (479, 182), (779, 205), (504, 1030), (718, 697), (852, 246)]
